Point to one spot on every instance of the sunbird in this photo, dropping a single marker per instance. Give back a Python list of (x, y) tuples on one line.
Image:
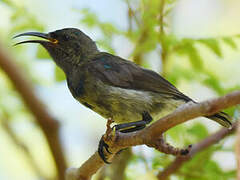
[(110, 85)]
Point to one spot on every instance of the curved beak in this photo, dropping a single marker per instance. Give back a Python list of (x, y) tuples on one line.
[(36, 34)]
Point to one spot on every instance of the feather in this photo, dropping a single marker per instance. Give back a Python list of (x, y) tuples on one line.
[(125, 74)]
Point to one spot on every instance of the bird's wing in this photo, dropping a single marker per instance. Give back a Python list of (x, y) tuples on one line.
[(118, 72)]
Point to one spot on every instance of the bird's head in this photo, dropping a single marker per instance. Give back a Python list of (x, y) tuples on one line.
[(67, 46)]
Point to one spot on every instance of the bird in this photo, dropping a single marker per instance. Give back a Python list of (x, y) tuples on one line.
[(110, 85)]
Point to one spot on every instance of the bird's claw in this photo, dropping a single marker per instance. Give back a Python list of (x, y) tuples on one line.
[(102, 145), (109, 136), (110, 132)]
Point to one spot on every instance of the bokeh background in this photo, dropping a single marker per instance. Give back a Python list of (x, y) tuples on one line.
[(192, 43)]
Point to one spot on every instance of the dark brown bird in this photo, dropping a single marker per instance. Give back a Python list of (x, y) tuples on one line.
[(111, 86)]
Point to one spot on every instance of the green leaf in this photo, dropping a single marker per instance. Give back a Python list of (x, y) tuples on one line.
[(195, 58), (9, 3), (178, 134), (160, 160), (22, 20), (170, 1), (106, 45), (230, 174), (59, 74), (178, 72), (198, 130), (196, 168), (229, 41), (214, 84), (108, 29), (238, 35), (186, 47), (213, 45), (168, 41), (42, 53), (89, 18)]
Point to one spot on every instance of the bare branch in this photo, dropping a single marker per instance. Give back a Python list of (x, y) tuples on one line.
[(48, 124), (132, 13), (151, 134), (6, 126), (161, 18), (179, 161)]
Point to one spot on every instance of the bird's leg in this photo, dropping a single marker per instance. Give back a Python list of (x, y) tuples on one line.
[(124, 128), (102, 144), (134, 126)]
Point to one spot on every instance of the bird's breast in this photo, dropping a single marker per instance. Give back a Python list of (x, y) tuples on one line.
[(123, 105)]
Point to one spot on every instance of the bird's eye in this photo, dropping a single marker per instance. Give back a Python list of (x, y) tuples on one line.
[(54, 35), (65, 37)]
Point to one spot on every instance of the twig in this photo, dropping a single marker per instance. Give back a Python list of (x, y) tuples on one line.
[(137, 55), (164, 51), (161, 18), (160, 145), (48, 124), (132, 13), (150, 134), (179, 161)]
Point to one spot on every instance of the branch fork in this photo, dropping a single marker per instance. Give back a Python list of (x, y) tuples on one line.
[(111, 137)]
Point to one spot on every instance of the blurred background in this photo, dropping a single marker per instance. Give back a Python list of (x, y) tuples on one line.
[(194, 44)]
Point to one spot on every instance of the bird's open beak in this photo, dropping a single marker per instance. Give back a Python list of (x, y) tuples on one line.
[(37, 34)]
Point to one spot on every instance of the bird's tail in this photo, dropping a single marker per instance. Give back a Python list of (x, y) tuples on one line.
[(221, 118)]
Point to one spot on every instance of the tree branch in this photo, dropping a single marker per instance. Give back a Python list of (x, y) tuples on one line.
[(179, 161), (48, 124), (150, 135), (117, 169), (9, 131)]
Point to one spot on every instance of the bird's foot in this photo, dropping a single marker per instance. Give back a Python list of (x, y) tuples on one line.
[(103, 146), (134, 126), (110, 134)]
